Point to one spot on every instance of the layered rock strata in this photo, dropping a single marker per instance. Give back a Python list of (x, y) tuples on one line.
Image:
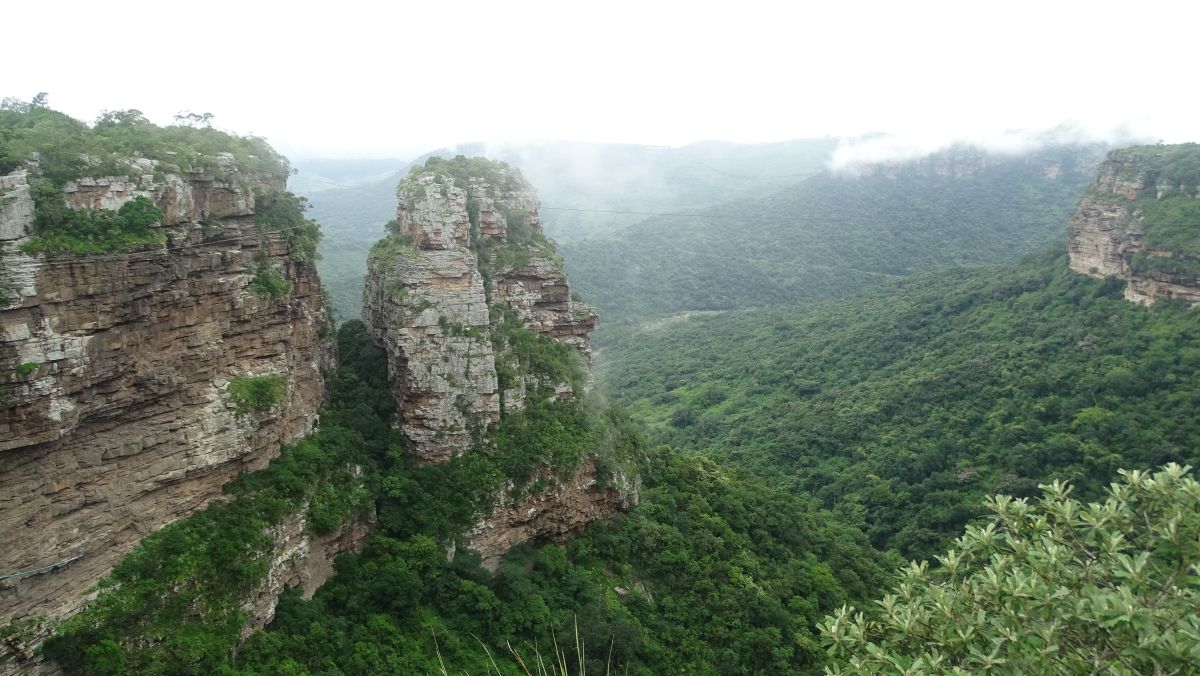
[(427, 303), (1109, 228), (116, 417), (463, 252)]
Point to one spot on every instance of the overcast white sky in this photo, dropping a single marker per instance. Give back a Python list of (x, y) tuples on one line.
[(394, 78)]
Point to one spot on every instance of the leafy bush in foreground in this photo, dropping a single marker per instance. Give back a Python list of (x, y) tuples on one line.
[(1053, 587)]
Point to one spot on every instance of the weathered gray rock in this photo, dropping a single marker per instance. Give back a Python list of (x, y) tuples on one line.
[(430, 314), (115, 418), (426, 302), (540, 295), (16, 206)]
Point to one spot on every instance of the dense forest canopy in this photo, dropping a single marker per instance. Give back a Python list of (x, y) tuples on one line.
[(904, 407)]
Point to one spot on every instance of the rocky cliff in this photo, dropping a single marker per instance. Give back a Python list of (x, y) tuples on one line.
[(119, 402), (459, 295), (1140, 222)]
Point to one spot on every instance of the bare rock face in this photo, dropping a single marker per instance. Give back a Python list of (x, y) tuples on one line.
[(539, 293), (427, 303), (115, 417), (465, 250), (430, 314), (1109, 228), (555, 513)]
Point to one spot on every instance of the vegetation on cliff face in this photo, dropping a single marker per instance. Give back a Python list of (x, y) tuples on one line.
[(903, 408), (174, 605), (256, 393), (1166, 210), (1051, 586), (461, 169), (90, 231), (712, 573)]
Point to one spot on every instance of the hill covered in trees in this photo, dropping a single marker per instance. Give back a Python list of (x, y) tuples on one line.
[(832, 235), (902, 408)]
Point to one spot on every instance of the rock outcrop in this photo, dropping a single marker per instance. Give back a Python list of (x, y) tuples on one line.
[(115, 415), (1140, 222), (301, 559), (555, 513), (466, 256), (428, 303)]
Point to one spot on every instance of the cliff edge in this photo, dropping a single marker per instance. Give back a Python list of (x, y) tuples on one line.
[(162, 330), (1140, 222)]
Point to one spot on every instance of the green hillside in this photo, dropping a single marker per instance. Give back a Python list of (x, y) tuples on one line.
[(352, 221), (829, 236), (904, 407)]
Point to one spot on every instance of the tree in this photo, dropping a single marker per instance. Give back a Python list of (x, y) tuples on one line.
[(189, 119), (1056, 587), (121, 118)]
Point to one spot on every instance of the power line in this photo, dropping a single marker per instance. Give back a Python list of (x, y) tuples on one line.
[(681, 214)]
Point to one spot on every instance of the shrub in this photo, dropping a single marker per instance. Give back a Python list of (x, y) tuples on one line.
[(1056, 587), (89, 231), (266, 280), (283, 212), (256, 393)]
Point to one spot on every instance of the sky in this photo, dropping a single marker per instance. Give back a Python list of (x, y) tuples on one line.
[(395, 79)]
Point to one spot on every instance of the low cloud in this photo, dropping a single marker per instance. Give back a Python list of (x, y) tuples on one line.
[(853, 154)]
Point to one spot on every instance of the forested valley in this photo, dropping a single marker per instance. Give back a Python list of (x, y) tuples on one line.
[(931, 416)]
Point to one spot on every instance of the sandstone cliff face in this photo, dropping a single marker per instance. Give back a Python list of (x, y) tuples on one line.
[(427, 304), (115, 417), (464, 251), (1109, 228)]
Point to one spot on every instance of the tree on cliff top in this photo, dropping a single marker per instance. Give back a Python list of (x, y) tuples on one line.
[(499, 175), (67, 148), (1053, 587)]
